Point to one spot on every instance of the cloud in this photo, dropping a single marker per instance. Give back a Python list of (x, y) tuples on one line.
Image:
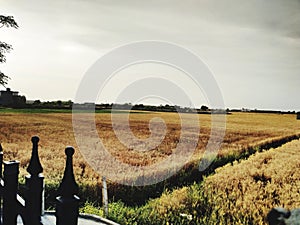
[(243, 42)]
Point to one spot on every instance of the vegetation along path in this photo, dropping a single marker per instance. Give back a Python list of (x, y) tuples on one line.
[(239, 193)]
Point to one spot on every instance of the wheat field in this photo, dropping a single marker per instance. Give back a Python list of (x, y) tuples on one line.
[(55, 130), (241, 193), (254, 186)]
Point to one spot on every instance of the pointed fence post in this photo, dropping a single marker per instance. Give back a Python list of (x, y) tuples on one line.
[(11, 172), (34, 186), (67, 202)]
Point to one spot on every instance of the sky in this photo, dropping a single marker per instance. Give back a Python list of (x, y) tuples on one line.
[(252, 48)]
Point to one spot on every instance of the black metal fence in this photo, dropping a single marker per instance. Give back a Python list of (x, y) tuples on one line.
[(30, 206)]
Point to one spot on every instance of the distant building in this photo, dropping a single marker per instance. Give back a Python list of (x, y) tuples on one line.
[(298, 115), (10, 98)]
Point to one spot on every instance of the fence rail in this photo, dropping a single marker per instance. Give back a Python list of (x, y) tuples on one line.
[(31, 206)]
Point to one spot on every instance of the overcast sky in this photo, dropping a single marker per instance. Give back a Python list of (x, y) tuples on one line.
[(252, 47)]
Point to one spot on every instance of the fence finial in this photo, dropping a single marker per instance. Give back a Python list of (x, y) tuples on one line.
[(68, 186), (35, 166), (67, 203)]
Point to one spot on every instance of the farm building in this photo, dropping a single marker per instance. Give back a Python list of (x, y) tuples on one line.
[(298, 115), (10, 98)]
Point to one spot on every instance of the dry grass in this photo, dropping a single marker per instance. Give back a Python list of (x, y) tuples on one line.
[(55, 132), (242, 193), (248, 190)]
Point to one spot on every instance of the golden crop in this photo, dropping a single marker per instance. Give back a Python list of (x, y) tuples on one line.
[(248, 190), (55, 131)]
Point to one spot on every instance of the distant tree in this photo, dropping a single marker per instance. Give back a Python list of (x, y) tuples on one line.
[(37, 102), (59, 103), (5, 21), (204, 108), (23, 98)]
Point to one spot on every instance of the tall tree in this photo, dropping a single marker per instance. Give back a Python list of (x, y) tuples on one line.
[(5, 21)]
